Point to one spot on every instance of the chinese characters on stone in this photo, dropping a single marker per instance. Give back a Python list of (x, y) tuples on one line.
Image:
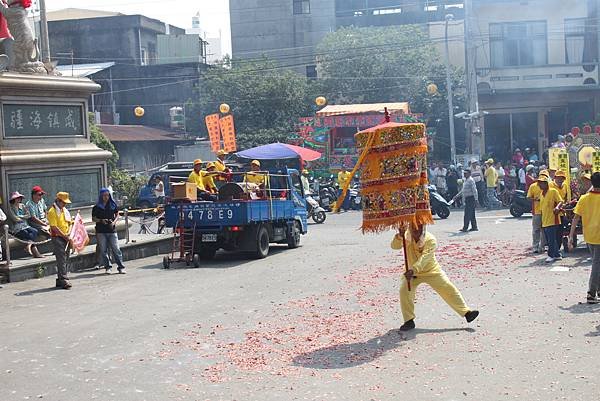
[(36, 120)]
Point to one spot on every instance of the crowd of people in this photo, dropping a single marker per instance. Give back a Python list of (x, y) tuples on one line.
[(34, 223)]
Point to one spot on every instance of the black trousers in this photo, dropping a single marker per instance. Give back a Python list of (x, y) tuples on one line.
[(470, 213)]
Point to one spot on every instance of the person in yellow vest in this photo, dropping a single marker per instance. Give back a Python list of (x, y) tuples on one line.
[(423, 268), (197, 177), (533, 193), (59, 220), (491, 180), (209, 178), (588, 212), (254, 176), (344, 177), (564, 190), (550, 205), (221, 167)]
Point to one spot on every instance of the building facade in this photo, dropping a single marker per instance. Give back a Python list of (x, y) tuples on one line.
[(289, 31), (537, 70), (138, 61)]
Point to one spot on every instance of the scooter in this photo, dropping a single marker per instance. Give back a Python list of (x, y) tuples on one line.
[(520, 204), (316, 212), (438, 204), (355, 197)]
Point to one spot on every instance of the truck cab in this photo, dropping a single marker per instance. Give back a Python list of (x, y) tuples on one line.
[(240, 222)]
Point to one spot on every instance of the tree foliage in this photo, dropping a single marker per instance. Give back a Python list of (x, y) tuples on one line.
[(127, 186), (265, 101), (389, 64), (98, 138)]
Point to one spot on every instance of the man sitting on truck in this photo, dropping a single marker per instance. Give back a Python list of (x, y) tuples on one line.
[(197, 177), (254, 177), (209, 178)]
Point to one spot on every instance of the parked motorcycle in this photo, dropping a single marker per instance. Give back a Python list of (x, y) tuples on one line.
[(355, 197), (438, 204), (520, 204), (316, 212)]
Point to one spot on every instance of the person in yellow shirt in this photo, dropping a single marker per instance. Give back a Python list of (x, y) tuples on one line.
[(221, 167), (491, 180), (209, 178), (59, 220), (197, 177), (564, 190), (423, 268), (344, 177), (538, 237), (550, 204), (588, 212), (254, 176)]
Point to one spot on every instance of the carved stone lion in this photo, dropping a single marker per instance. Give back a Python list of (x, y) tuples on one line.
[(24, 52)]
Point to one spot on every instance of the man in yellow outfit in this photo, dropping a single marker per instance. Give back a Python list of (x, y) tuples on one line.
[(539, 239), (424, 268), (491, 180), (197, 176), (588, 212), (209, 178), (344, 176), (254, 177)]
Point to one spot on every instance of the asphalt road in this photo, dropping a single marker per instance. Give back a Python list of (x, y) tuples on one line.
[(316, 323)]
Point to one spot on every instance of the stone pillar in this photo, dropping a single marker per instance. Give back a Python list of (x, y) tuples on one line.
[(45, 138), (542, 132)]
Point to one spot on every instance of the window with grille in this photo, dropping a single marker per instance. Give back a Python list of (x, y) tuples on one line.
[(301, 6), (518, 44)]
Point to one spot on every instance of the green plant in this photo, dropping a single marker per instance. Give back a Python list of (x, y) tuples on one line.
[(98, 138), (40, 271), (126, 185)]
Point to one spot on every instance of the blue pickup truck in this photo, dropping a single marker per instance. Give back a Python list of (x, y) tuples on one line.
[(236, 223)]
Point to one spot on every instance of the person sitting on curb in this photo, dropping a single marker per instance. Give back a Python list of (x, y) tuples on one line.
[(105, 214), (18, 215), (38, 210), (60, 227), (423, 267)]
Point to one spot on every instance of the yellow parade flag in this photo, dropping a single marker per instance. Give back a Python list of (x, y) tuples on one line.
[(563, 165)]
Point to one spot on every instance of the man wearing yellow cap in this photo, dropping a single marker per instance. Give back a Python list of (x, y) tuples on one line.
[(220, 165), (423, 268), (253, 176), (534, 192), (564, 190), (491, 180), (197, 177), (550, 205), (209, 178), (59, 220)]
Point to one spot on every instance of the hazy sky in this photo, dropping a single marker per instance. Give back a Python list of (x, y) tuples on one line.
[(214, 14)]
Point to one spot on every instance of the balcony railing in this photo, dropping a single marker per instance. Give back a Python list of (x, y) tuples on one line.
[(550, 76)]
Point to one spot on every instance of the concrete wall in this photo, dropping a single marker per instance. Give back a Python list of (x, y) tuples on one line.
[(142, 156), (118, 38), (137, 85)]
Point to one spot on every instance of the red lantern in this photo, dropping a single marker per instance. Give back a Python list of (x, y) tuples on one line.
[(587, 129), (575, 131), (597, 129)]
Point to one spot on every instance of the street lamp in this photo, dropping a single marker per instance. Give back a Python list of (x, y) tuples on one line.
[(450, 17)]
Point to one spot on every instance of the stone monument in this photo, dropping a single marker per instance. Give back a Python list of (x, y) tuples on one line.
[(44, 135)]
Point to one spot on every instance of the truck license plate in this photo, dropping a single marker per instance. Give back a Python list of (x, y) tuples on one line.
[(209, 237)]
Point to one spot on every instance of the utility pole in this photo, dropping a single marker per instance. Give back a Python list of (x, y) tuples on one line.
[(44, 33), (474, 142), (449, 18)]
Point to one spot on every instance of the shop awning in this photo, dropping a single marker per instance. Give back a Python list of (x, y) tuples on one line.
[(341, 110)]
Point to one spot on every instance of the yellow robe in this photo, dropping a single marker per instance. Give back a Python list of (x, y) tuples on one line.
[(422, 260)]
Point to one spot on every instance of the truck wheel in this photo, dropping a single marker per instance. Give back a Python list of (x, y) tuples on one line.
[(262, 243), (207, 253), (319, 217), (293, 235)]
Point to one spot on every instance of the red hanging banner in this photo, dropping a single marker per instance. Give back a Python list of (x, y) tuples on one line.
[(214, 131), (228, 132)]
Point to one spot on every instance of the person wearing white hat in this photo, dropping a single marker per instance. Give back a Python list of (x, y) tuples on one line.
[(18, 215)]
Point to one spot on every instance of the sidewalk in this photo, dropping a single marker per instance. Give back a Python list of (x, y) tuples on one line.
[(140, 246)]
